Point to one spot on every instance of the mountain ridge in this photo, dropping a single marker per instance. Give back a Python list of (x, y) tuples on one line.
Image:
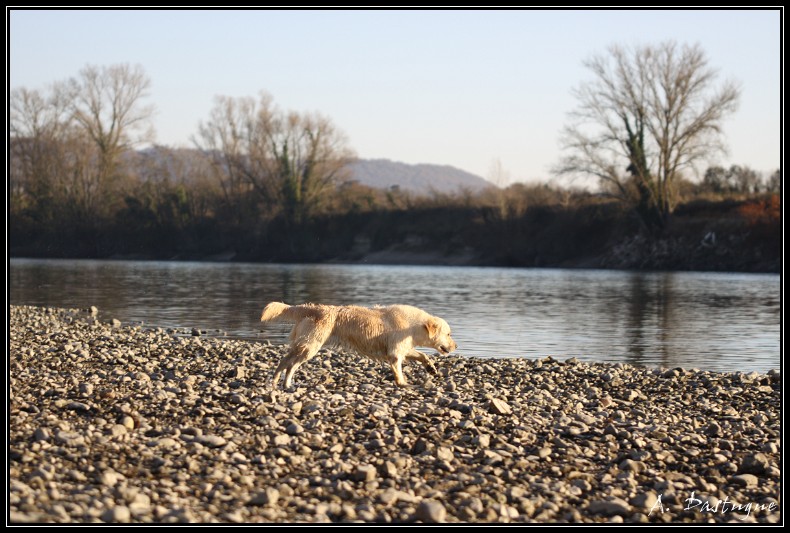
[(422, 178)]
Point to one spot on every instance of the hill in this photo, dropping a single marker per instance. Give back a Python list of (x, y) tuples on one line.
[(418, 179)]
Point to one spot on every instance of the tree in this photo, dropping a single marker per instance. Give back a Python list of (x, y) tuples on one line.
[(106, 105), (289, 159), (648, 114), (735, 180), (774, 183), (66, 143)]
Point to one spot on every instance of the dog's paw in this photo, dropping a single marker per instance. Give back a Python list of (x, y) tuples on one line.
[(432, 369)]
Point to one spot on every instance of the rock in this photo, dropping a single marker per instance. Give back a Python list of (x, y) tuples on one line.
[(267, 497), (195, 332), (212, 441), (744, 480), (482, 441), (365, 473), (169, 443), (420, 446), (632, 466), (444, 454), (431, 512), (282, 440), (127, 422), (645, 500), (41, 434), (388, 470), (389, 496), (78, 406), (754, 464), (118, 514), (109, 478), (116, 324), (613, 507), (294, 429), (94, 311), (770, 447), (237, 372), (70, 438), (499, 407), (713, 430), (117, 430)]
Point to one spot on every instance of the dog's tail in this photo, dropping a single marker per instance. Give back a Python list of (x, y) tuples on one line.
[(280, 312)]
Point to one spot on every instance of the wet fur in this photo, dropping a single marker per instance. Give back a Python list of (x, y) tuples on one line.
[(387, 334)]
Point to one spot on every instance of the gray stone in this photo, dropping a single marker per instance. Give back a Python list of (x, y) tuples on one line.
[(754, 464), (238, 372), (42, 434), (632, 466), (169, 443), (117, 430), (119, 514), (499, 407), (365, 473), (109, 478), (267, 497), (420, 446), (770, 447), (78, 406), (431, 511), (483, 440), (282, 440), (70, 438), (614, 507), (645, 500), (294, 429), (713, 430), (745, 480), (388, 469), (212, 441), (444, 454)]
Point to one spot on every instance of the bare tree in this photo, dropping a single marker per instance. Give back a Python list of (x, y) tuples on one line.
[(37, 123), (289, 159), (774, 182), (107, 106), (648, 114)]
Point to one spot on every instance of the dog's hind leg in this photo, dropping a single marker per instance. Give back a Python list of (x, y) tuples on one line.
[(285, 363), (301, 355), (415, 355)]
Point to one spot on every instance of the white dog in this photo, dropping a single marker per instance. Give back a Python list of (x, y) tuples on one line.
[(387, 334)]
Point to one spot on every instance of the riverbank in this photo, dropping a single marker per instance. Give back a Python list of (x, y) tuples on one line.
[(723, 236), (126, 424)]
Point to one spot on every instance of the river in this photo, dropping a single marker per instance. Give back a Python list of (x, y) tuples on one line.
[(712, 321)]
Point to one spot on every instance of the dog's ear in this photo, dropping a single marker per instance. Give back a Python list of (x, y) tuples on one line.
[(432, 325)]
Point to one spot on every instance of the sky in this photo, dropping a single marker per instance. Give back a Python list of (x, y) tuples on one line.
[(460, 88)]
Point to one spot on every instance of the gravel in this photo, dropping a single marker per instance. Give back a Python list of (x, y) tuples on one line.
[(117, 423)]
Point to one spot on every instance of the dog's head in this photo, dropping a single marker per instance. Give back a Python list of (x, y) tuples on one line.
[(439, 335)]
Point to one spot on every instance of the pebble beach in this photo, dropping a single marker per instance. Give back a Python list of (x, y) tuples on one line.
[(133, 424)]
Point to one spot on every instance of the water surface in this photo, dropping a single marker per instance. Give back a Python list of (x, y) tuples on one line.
[(711, 321)]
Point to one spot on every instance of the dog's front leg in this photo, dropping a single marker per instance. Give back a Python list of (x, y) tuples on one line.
[(415, 355), (396, 363)]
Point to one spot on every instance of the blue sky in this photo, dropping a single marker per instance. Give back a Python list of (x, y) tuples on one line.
[(448, 87)]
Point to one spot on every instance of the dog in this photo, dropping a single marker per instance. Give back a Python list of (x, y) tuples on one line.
[(387, 334)]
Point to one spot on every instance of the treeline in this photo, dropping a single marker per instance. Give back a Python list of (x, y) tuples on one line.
[(263, 184)]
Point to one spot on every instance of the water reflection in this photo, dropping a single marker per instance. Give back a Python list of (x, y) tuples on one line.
[(714, 321)]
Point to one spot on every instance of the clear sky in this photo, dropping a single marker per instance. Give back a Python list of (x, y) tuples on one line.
[(447, 87)]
